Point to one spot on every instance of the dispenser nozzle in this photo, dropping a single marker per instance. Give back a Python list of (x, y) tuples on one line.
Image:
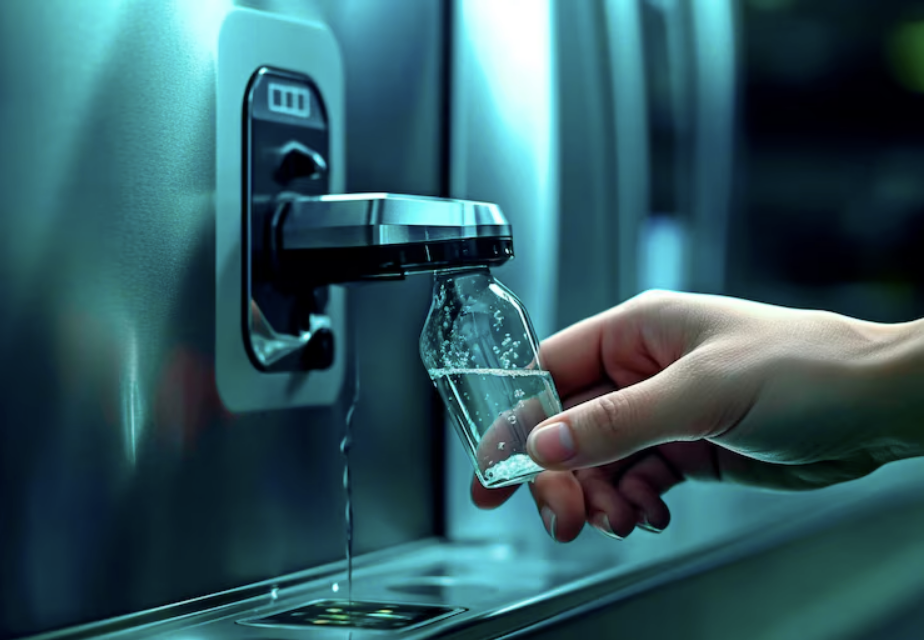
[(305, 243), (357, 237)]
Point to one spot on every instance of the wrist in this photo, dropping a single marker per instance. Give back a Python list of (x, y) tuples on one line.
[(894, 382)]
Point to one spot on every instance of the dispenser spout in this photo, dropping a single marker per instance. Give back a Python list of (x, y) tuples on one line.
[(335, 239), (301, 245)]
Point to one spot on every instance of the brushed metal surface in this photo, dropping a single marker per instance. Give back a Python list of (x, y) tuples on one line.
[(249, 40), (124, 482), (508, 592), (362, 220)]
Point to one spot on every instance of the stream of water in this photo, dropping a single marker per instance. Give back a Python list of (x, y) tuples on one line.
[(345, 446)]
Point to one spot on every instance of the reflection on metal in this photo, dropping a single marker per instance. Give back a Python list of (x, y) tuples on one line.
[(271, 346), (712, 169), (697, 107), (337, 239), (133, 416), (126, 483), (529, 591), (384, 219), (663, 242), (505, 134), (201, 19), (630, 117), (504, 149), (254, 48), (661, 254), (355, 614), (306, 155)]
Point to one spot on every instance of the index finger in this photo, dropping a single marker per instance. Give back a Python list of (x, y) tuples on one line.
[(613, 343), (574, 355)]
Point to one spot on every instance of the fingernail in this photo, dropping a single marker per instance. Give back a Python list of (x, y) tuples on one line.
[(548, 519), (551, 444), (645, 526), (601, 523)]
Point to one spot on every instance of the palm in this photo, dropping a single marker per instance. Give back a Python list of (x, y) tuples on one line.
[(628, 491), (755, 412)]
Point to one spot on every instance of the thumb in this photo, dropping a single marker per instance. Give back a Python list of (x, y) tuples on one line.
[(674, 405)]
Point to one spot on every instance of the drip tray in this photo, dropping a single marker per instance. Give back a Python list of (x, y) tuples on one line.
[(356, 614)]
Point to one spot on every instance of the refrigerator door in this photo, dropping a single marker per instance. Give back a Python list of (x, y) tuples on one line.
[(126, 480)]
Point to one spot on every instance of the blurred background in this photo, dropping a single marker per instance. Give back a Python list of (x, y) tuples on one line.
[(768, 149), (830, 200)]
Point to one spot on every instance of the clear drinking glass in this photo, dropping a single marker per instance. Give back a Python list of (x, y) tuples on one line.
[(481, 352)]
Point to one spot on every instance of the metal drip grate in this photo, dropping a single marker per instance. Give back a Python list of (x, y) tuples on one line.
[(356, 614)]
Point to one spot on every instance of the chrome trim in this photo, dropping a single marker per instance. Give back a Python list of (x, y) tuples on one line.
[(248, 41), (270, 346), (375, 219)]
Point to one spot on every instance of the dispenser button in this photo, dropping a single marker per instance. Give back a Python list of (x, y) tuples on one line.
[(319, 354), (298, 162)]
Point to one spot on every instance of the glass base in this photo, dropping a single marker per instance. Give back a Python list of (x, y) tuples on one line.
[(517, 469)]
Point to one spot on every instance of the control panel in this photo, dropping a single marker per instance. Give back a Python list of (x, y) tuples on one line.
[(279, 133), (286, 152)]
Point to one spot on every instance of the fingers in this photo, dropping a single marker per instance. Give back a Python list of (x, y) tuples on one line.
[(626, 497), (490, 498), (643, 486), (573, 356), (530, 414), (507, 434), (608, 510), (626, 344), (560, 500), (679, 404), (589, 394), (614, 499)]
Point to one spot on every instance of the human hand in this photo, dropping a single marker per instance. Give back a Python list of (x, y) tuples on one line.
[(672, 386)]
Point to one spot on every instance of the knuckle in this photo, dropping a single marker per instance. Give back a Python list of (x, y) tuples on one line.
[(661, 304), (609, 411), (658, 297), (652, 298)]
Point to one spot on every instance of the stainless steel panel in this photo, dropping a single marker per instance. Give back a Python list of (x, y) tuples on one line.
[(625, 40), (511, 593), (714, 111), (249, 40), (504, 150), (124, 483), (588, 228)]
